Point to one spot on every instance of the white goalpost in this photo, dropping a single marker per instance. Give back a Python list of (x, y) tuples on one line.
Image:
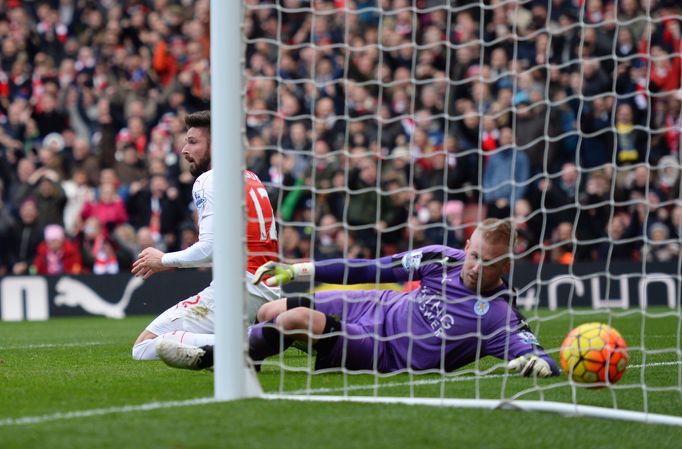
[(232, 378), (276, 99)]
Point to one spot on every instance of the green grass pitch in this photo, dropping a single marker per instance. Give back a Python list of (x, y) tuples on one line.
[(77, 376)]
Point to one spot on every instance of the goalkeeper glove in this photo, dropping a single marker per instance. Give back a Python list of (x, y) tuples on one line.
[(280, 273), (530, 365)]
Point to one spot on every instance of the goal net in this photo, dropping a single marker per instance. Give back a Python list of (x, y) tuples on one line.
[(381, 127)]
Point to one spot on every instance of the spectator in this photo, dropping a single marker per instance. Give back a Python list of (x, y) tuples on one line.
[(26, 236), (77, 192), (82, 158), (108, 208), (595, 81), (665, 71), (159, 208), (436, 231), (394, 215), (667, 181), (668, 115), (562, 251), (616, 247), (432, 173), (596, 147), (675, 223), (130, 169), (102, 254), (531, 125), (505, 177), (325, 238), (462, 171), (98, 251), (290, 244), (49, 196), (23, 182), (47, 118), (630, 141), (557, 199), (145, 239), (56, 254), (630, 11), (659, 248), (125, 239), (526, 236), (638, 180), (6, 225), (397, 166), (50, 153), (188, 236), (363, 198), (594, 212), (298, 142), (454, 214)]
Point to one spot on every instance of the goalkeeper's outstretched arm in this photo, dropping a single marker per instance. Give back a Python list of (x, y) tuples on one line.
[(334, 271), (409, 265)]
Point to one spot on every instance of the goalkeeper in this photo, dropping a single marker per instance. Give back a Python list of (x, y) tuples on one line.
[(463, 311)]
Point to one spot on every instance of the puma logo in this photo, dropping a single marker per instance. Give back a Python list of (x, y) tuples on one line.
[(73, 293)]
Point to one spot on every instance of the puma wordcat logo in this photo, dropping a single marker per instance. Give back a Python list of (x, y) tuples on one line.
[(73, 293)]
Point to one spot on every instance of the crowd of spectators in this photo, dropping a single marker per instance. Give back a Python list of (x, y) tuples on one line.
[(402, 123), (375, 124), (93, 96)]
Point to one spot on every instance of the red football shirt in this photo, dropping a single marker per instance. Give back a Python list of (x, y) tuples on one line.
[(261, 231)]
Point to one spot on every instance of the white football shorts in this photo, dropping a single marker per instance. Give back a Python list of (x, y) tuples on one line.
[(195, 314)]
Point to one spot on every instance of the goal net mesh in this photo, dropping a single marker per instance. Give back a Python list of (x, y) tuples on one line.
[(383, 126)]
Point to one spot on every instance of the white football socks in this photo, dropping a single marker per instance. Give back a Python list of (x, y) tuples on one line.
[(146, 350)]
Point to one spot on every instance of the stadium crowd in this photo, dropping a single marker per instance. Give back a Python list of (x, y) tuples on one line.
[(383, 127)]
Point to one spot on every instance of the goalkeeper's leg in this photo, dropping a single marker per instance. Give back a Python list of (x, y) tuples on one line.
[(297, 323), (265, 339), (354, 349)]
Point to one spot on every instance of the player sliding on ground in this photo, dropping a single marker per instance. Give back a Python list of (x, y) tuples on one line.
[(191, 320), (463, 311)]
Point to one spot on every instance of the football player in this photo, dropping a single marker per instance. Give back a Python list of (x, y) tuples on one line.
[(191, 321)]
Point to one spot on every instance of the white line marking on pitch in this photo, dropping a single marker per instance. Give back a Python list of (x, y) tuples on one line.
[(54, 345), (201, 401), (104, 411)]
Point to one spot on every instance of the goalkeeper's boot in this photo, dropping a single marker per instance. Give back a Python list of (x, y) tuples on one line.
[(177, 355)]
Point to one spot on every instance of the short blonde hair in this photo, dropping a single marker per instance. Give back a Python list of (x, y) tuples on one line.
[(497, 231)]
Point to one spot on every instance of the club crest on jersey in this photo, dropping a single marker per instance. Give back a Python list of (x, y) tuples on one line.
[(528, 338), (481, 307), (199, 198), (412, 261)]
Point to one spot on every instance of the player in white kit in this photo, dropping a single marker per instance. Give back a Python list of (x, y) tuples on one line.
[(191, 322)]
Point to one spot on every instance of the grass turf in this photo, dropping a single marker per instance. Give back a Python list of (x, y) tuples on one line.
[(81, 364)]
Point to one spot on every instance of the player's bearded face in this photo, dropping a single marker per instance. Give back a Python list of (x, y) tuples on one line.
[(484, 264), (200, 166), (197, 150)]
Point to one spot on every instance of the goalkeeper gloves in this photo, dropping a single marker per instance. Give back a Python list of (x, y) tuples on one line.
[(530, 365), (280, 273)]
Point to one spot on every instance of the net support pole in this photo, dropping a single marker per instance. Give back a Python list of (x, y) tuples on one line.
[(231, 379)]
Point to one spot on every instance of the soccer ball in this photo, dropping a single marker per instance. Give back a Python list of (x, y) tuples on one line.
[(594, 353)]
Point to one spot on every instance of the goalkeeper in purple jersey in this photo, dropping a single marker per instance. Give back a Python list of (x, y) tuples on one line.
[(462, 311)]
